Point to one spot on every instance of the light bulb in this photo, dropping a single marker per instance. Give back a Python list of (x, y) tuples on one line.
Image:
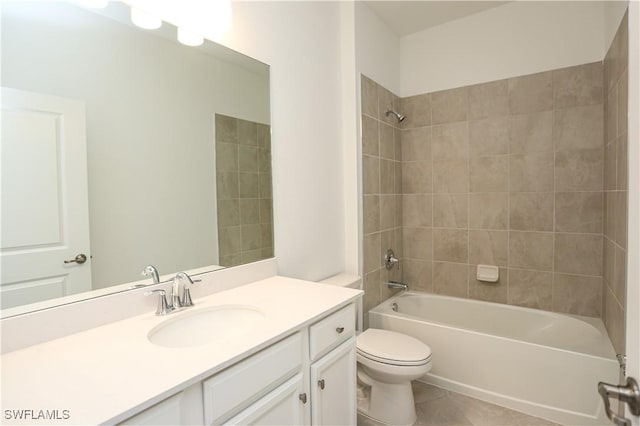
[(189, 38), (143, 20)]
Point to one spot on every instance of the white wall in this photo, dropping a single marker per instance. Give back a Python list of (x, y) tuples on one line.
[(301, 41), (119, 72), (515, 39)]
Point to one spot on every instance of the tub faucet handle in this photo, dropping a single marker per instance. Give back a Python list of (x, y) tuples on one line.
[(390, 260)]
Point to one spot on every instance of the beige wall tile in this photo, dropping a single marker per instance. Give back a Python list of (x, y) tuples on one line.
[(489, 174), (265, 187), (622, 165), (251, 237), (387, 176), (530, 93), (531, 132), (450, 210), (264, 160), (614, 321), (251, 256), (488, 247), (579, 170), (449, 105), (227, 185), (578, 254), (623, 100), (450, 176), (621, 218), (577, 295), (249, 211), (579, 85), (387, 143), (609, 259), (619, 283), (450, 279), (610, 199), (247, 158), (417, 243), (397, 168), (266, 210), (247, 133), (531, 172), (369, 136), (371, 214), (416, 177), (611, 115), (451, 245), (228, 213), (369, 96), (488, 211), (488, 291), (450, 141), (371, 174), (578, 128), (231, 260), (248, 185), (371, 287), (531, 250), (579, 212), (264, 136), (266, 236), (417, 109), (226, 157), (229, 240), (610, 172), (226, 129), (531, 289), (416, 210), (531, 211), (416, 144), (488, 100), (417, 274), (372, 260), (489, 136), (387, 101), (388, 241), (387, 212)]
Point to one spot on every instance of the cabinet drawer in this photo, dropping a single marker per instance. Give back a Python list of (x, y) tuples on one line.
[(331, 331), (240, 385)]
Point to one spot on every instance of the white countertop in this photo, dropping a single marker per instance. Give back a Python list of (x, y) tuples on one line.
[(109, 373)]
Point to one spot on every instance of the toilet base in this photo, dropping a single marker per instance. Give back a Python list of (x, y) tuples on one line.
[(388, 403)]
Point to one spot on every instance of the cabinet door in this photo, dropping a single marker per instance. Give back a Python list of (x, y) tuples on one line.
[(333, 387), (167, 412), (282, 406)]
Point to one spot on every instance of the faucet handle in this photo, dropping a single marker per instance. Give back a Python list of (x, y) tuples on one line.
[(186, 294), (163, 307)]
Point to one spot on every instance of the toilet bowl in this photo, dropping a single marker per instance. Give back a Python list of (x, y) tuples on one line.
[(387, 363)]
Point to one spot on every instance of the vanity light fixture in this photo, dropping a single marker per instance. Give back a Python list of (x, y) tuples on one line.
[(189, 38), (144, 20)]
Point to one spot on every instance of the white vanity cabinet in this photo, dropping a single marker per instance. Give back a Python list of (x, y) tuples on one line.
[(309, 377)]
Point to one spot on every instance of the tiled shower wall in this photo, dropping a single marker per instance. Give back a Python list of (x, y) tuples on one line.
[(507, 173), (243, 182), (382, 187), (615, 186)]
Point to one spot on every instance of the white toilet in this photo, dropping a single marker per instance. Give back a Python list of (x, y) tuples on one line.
[(387, 363)]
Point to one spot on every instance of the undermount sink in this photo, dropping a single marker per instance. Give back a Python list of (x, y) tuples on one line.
[(218, 324)]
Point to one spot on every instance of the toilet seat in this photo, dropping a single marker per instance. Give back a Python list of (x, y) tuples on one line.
[(392, 348)]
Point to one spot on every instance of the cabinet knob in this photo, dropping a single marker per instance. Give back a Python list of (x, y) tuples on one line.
[(321, 383), (303, 398), (339, 329)]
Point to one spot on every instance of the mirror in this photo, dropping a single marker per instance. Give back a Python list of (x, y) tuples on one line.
[(125, 147)]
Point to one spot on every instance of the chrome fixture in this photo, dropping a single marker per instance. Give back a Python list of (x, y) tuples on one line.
[(399, 116), (390, 260), (628, 393), (79, 259), (178, 301), (163, 307), (397, 284), (151, 271), (394, 307)]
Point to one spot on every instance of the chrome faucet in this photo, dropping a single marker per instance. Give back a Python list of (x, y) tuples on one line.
[(152, 271), (396, 284), (184, 300)]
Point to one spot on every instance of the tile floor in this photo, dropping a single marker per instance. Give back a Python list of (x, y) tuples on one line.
[(439, 407)]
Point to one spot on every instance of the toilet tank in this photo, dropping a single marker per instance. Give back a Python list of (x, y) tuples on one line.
[(350, 281)]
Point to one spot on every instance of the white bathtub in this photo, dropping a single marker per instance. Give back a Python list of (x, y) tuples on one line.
[(540, 363)]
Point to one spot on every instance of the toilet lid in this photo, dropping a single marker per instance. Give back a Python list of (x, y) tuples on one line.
[(392, 348)]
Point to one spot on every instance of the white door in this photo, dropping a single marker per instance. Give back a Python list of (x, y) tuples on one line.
[(45, 215), (333, 387)]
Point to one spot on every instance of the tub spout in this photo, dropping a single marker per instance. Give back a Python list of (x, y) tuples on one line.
[(396, 284)]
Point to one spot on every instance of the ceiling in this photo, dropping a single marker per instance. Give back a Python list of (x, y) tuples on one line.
[(407, 17)]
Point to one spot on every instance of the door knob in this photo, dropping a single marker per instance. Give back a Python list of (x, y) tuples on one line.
[(629, 393), (79, 259)]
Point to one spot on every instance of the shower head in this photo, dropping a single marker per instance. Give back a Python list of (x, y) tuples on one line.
[(400, 117)]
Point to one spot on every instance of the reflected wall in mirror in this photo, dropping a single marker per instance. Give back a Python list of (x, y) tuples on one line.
[(110, 150)]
